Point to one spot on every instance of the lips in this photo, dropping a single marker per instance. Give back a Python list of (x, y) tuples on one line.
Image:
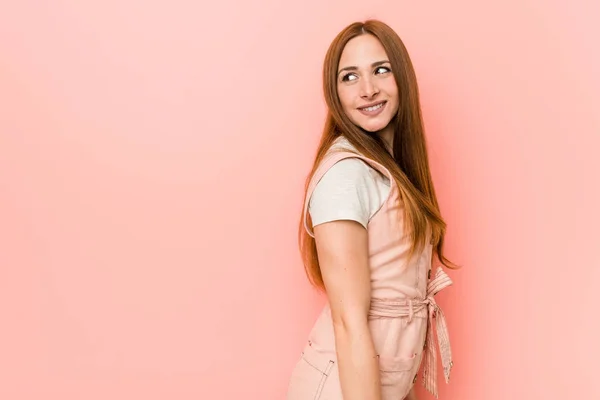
[(379, 107), (371, 105)]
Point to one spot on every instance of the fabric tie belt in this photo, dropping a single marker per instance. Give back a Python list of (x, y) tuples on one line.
[(383, 308)]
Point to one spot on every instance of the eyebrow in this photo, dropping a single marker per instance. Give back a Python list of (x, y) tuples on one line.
[(353, 68)]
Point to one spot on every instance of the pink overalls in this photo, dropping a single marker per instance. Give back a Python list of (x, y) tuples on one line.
[(401, 316)]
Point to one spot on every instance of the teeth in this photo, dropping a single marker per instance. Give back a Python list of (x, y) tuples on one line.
[(374, 107)]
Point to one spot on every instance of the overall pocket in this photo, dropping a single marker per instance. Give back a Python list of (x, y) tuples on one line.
[(397, 375), (315, 367)]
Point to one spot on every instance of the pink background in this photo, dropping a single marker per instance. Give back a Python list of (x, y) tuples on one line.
[(152, 156)]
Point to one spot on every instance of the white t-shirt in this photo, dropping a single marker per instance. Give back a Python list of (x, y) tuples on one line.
[(350, 190)]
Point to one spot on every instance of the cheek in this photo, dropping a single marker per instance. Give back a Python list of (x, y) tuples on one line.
[(395, 103), (392, 89), (342, 96), (346, 99)]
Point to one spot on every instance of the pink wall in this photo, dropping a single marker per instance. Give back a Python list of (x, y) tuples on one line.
[(152, 156)]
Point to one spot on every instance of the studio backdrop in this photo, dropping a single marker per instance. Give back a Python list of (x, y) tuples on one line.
[(152, 161)]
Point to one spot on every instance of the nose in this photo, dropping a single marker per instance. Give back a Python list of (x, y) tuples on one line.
[(368, 88)]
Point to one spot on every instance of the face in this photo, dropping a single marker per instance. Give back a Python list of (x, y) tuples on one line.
[(365, 84)]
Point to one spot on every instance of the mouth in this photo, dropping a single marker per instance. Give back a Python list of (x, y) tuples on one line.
[(373, 108)]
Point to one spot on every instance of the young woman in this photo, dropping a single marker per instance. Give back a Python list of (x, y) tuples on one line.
[(371, 229)]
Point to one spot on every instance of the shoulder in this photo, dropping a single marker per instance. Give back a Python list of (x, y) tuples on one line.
[(352, 168), (348, 175), (342, 143), (355, 166), (347, 190)]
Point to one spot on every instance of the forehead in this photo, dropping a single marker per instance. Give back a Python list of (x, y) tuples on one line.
[(362, 51)]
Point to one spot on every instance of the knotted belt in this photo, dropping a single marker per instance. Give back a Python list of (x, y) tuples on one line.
[(383, 308)]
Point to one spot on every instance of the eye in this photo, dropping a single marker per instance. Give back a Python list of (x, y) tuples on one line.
[(384, 69), (347, 77)]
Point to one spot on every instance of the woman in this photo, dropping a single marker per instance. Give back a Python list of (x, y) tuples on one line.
[(370, 229)]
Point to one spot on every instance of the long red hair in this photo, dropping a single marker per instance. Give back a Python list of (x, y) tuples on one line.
[(409, 165)]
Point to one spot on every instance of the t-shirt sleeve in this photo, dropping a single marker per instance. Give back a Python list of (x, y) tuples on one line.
[(347, 191)]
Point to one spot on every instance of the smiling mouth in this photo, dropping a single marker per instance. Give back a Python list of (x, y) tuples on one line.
[(373, 107)]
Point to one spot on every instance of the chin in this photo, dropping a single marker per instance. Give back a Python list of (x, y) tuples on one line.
[(372, 124), (373, 127)]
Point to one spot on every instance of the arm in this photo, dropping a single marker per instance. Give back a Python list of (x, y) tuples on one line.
[(343, 256)]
